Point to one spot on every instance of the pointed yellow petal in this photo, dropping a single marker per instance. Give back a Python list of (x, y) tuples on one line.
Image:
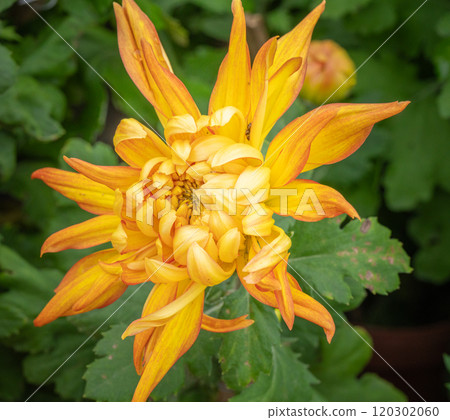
[(165, 314), (171, 96), (225, 325), (309, 201), (345, 133), (285, 69), (114, 177), (146, 62), (295, 44), (284, 295), (159, 296), (86, 263), (89, 195), (308, 308), (176, 338), (233, 81), (136, 144), (92, 232), (289, 150), (76, 287)]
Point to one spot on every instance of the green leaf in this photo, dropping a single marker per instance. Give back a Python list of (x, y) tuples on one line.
[(66, 361), (325, 254), (416, 166), (443, 25), (112, 376), (97, 154), (341, 362), (430, 229), (8, 156), (4, 4), (443, 100), (33, 107), (376, 17), (346, 356), (337, 8), (8, 69), (246, 353), (368, 388), (12, 383), (200, 356), (289, 380)]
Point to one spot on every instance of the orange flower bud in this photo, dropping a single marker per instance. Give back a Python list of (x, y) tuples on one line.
[(329, 67)]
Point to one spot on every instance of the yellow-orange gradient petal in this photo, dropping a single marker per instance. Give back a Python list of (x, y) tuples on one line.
[(308, 308), (304, 305), (232, 87), (159, 296), (284, 295), (176, 337), (288, 152), (83, 235), (136, 144), (89, 289), (147, 64), (225, 325), (171, 95), (114, 177), (89, 195), (288, 68), (309, 201), (345, 133)]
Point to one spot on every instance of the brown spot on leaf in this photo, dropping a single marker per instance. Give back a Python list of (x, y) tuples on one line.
[(369, 275), (365, 226)]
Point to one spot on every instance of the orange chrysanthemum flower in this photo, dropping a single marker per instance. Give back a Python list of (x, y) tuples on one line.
[(188, 212)]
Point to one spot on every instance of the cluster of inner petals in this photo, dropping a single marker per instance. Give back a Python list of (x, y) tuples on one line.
[(202, 206)]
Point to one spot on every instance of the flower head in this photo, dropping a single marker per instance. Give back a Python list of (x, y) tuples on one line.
[(331, 72), (186, 213)]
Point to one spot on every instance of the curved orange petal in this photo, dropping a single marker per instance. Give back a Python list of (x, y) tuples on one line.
[(309, 201), (284, 295), (100, 286), (175, 339), (232, 87), (114, 177), (134, 30), (346, 132), (225, 325), (171, 96), (285, 80), (159, 296), (288, 152), (89, 195), (136, 144), (308, 308), (81, 266), (304, 305), (92, 232)]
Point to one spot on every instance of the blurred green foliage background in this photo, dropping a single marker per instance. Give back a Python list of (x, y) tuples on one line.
[(52, 103)]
